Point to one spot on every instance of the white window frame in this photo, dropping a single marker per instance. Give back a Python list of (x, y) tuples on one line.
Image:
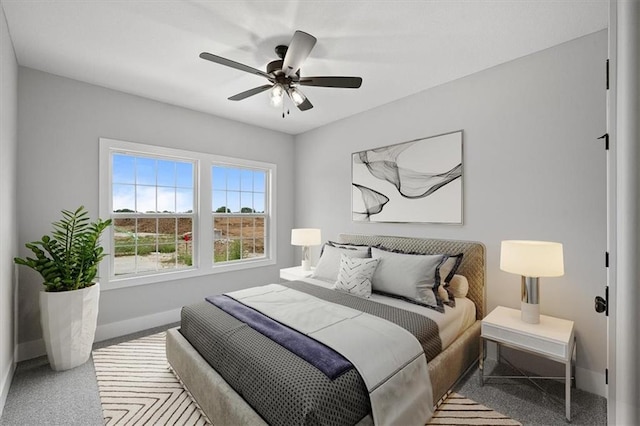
[(202, 223)]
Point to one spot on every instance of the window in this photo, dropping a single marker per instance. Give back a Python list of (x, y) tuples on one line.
[(152, 211), (239, 217), (178, 213)]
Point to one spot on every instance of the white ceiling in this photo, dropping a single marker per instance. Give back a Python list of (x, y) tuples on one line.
[(150, 47)]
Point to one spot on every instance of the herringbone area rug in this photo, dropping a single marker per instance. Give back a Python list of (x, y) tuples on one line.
[(137, 387)]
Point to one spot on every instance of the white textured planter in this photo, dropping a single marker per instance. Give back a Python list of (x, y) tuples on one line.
[(68, 320)]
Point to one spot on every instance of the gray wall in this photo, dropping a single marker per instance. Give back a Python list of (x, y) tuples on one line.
[(533, 169), (59, 123), (8, 219)]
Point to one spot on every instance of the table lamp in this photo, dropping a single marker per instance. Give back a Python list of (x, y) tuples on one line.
[(305, 237), (532, 260)]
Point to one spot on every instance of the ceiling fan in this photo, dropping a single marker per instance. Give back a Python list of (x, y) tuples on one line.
[(284, 74)]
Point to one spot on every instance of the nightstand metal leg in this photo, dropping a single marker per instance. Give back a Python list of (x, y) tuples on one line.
[(483, 345), (567, 390)]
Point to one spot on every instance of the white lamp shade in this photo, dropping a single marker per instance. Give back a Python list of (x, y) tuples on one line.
[(532, 258), (305, 237)]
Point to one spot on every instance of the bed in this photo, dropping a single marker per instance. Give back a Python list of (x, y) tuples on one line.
[(223, 405)]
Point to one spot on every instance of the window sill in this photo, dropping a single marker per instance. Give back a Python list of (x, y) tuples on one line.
[(127, 282)]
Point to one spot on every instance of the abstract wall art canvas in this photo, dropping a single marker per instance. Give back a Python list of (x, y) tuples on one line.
[(415, 181)]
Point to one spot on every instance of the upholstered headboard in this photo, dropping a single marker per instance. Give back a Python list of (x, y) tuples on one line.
[(472, 266)]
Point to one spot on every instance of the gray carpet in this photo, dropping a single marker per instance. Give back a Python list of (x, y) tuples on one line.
[(41, 396), (524, 402)]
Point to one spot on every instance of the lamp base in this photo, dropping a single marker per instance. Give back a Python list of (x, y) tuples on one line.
[(530, 312), (306, 265)]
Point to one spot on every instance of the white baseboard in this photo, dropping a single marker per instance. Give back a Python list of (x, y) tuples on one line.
[(5, 384), (36, 348), (31, 349), (133, 325), (591, 381), (587, 380)]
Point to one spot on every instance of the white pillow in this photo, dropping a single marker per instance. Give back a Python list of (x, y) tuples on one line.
[(411, 276), (329, 263), (355, 275), (459, 286)]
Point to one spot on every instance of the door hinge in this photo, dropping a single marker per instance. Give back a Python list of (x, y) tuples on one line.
[(607, 72), (606, 140), (606, 259), (606, 376)]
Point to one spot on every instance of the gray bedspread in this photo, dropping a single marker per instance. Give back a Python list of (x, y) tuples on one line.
[(281, 387)]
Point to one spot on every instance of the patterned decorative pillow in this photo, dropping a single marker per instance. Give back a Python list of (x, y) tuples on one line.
[(355, 275)]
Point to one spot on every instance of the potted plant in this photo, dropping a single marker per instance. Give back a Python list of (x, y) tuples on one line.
[(68, 262)]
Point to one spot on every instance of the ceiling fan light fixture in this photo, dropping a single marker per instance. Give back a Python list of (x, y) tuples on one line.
[(277, 95), (296, 95)]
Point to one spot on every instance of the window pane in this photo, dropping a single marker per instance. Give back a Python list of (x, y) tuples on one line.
[(184, 200), (259, 202), (259, 181), (185, 243), (218, 178), (219, 201), (233, 201), (234, 248), (124, 246), (145, 199), (167, 243), (248, 227), (124, 198), (246, 180), (220, 228), (233, 180), (259, 236), (184, 175), (166, 173), (123, 170), (166, 199), (246, 201), (145, 171)]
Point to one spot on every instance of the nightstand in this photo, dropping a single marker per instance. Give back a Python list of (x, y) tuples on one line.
[(553, 338), (294, 273)]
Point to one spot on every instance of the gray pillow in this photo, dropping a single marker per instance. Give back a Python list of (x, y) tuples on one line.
[(329, 263), (410, 276)]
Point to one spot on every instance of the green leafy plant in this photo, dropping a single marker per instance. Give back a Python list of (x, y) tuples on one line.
[(69, 258)]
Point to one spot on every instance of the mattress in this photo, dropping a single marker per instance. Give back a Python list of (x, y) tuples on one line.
[(452, 323)]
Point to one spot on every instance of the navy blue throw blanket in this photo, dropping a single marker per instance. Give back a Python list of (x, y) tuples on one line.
[(325, 359)]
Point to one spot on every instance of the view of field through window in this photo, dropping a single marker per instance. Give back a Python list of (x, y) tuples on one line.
[(238, 203), (153, 215)]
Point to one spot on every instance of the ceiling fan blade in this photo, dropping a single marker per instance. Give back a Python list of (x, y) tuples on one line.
[(340, 82), (298, 50), (233, 64), (305, 105), (250, 92)]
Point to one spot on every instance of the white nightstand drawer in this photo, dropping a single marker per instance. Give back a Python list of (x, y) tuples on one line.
[(526, 342)]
